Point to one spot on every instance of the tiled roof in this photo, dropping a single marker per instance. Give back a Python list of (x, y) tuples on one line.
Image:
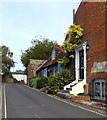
[(49, 61)]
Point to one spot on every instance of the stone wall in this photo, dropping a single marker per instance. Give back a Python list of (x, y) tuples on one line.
[(32, 66), (8, 80)]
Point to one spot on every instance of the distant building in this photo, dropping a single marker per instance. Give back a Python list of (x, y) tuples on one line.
[(20, 75), (32, 66)]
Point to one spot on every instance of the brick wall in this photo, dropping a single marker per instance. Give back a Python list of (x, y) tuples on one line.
[(92, 18), (32, 66)]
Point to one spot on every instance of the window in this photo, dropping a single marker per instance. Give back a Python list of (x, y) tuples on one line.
[(59, 67), (44, 72), (53, 53), (55, 70), (81, 64), (66, 38), (99, 89)]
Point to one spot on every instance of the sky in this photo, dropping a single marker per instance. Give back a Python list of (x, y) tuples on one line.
[(21, 21)]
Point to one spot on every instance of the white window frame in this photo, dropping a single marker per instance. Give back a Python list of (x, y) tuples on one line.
[(45, 72), (77, 49), (53, 54), (100, 81)]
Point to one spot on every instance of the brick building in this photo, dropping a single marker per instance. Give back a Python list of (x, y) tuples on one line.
[(91, 53), (32, 66)]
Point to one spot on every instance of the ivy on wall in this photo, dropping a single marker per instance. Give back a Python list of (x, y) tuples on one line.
[(74, 34)]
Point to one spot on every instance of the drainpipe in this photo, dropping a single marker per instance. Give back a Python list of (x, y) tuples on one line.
[(73, 16)]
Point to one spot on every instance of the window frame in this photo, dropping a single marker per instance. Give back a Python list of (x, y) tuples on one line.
[(53, 54), (101, 88)]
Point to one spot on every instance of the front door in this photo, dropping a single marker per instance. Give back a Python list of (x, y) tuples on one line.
[(81, 64)]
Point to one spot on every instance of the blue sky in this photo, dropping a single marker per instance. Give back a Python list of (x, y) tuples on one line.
[(22, 21)]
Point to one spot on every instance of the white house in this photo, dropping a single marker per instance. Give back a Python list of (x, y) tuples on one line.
[(20, 75)]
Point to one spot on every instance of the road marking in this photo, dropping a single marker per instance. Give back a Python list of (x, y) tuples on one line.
[(5, 105), (70, 103)]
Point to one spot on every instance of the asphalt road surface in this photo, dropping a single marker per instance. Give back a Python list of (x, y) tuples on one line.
[(24, 102)]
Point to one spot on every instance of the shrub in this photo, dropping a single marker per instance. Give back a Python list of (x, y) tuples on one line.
[(56, 83), (15, 80), (42, 82), (33, 81)]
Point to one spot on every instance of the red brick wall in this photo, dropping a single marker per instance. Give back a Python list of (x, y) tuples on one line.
[(91, 17), (32, 66), (31, 70), (106, 44)]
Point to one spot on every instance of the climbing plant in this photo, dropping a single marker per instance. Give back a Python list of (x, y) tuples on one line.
[(74, 34)]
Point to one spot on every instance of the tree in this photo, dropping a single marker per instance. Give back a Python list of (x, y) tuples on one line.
[(74, 34), (7, 61), (40, 49)]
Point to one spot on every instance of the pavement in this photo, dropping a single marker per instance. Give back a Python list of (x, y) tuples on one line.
[(24, 102), (98, 106), (101, 107)]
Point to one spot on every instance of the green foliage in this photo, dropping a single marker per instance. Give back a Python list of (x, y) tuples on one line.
[(56, 83), (38, 82), (74, 34), (15, 80), (40, 49), (42, 82), (33, 81), (83, 94), (7, 61)]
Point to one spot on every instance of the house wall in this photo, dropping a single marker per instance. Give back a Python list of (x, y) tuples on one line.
[(32, 66), (50, 70), (91, 16), (20, 77)]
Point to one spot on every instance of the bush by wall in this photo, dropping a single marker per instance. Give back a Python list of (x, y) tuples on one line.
[(38, 82), (33, 81), (56, 83), (42, 82)]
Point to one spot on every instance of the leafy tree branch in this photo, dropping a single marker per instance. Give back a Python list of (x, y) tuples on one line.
[(74, 34)]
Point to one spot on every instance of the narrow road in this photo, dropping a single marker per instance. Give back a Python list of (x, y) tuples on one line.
[(24, 102)]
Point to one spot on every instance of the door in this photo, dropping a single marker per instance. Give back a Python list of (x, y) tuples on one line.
[(81, 64)]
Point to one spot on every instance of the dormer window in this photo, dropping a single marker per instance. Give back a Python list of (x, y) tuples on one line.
[(67, 38), (53, 54)]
